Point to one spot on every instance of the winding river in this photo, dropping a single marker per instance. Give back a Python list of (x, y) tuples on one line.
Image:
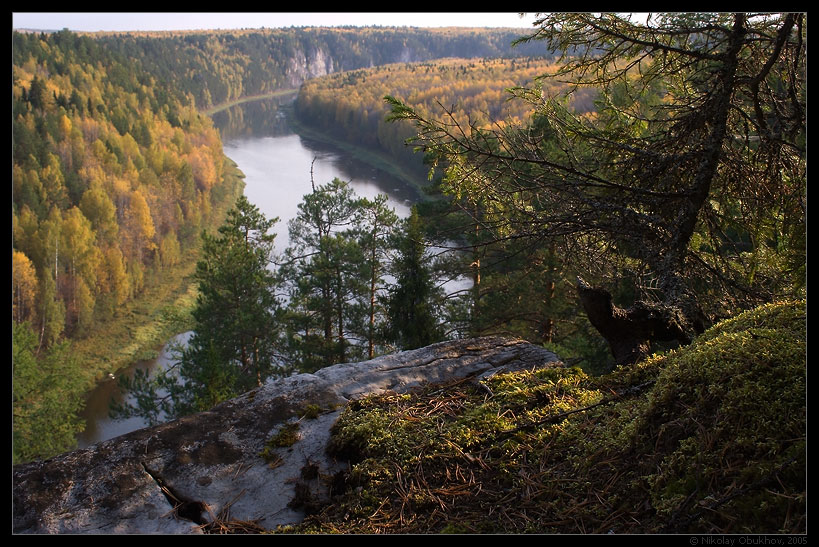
[(277, 165)]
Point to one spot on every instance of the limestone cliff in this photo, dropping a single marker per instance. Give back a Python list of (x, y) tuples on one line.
[(255, 459)]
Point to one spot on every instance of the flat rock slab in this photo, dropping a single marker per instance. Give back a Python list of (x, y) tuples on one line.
[(177, 477)]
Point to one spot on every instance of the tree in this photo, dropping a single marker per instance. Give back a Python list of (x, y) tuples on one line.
[(234, 343), (376, 224), (324, 267), (687, 185), (23, 287), (411, 306), (46, 397)]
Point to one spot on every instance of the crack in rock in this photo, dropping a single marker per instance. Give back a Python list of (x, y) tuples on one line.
[(182, 508)]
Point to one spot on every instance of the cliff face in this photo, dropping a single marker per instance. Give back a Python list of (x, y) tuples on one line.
[(304, 65), (258, 458)]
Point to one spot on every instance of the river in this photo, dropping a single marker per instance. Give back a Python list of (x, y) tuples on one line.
[(277, 165)]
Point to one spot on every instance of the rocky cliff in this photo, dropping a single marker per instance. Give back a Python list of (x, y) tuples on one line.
[(258, 459)]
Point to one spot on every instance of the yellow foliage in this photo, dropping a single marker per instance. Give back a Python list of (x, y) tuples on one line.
[(23, 287)]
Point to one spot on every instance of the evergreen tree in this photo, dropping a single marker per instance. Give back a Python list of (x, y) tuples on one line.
[(324, 268), (412, 304), (688, 184), (376, 224), (45, 398), (234, 343)]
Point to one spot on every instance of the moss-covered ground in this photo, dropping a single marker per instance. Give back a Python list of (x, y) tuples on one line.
[(707, 438)]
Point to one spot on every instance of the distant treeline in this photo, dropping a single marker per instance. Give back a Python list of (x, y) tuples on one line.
[(350, 105), (219, 66)]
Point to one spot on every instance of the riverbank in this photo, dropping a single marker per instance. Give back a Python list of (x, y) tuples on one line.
[(250, 98), (380, 160), (143, 326)]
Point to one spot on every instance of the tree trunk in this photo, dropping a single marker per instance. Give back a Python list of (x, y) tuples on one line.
[(630, 332)]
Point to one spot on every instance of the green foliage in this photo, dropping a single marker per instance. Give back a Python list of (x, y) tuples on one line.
[(698, 210), (413, 304), (322, 265), (335, 269), (707, 438), (93, 144), (45, 397), (234, 343), (285, 437)]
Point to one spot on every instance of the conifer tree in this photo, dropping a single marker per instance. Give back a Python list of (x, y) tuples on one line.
[(234, 343), (411, 308), (688, 184), (323, 265), (376, 224)]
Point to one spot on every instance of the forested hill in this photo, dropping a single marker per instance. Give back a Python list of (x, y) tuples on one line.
[(114, 176), (218, 66)]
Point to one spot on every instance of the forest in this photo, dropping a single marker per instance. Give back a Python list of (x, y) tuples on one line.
[(214, 67), (114, 175), (116, 171), (586, 176), (618, 196), (350, 105)]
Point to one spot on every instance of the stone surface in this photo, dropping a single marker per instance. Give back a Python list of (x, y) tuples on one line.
[(210, 465)]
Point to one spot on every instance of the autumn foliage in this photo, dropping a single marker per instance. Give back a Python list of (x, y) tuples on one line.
[(113, 178)]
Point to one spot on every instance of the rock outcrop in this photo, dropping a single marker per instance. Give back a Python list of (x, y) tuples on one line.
[(259, 458)]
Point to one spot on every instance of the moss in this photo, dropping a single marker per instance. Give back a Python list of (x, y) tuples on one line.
[(311, 412), (725, 417), (706, 438), (285, 437)]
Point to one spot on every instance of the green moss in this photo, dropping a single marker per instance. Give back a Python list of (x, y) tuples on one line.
[(710, 437), (311, 412), (285, 437)]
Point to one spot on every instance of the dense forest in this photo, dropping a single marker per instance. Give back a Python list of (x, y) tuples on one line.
[(216, 67), (350, 105), (115, 171), (114, 175), (628, 192), (612, 198), (686, 205)]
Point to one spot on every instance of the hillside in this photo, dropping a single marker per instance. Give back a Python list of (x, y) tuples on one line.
[(220, 66), (706, 439), (487, 435), (116, 170), (350, 105)]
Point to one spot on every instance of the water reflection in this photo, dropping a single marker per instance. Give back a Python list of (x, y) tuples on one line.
[(278, 176), (262, 118), (99, 425), (278, 164)]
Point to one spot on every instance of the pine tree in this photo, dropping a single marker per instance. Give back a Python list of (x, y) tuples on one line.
[(411, 308), (376, 224), (234, 343), (322, 266), (45, 404)]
